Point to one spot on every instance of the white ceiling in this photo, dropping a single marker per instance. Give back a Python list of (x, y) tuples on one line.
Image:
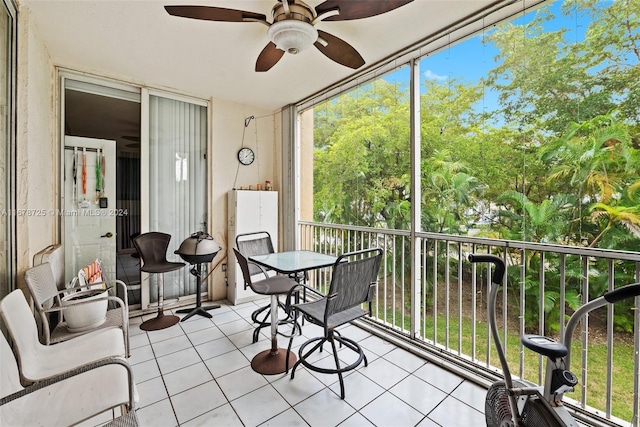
[(140, 42)]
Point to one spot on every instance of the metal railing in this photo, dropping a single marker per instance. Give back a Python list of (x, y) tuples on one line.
[(444, 307)]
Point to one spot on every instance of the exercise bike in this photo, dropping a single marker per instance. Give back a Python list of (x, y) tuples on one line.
[(519, 402)]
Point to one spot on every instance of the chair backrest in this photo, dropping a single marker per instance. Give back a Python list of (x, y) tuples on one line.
[(354, 276), (152, 247), (9, 374), (244, 266), (21, 325), (54, 255), (256, 243), (42, 285)]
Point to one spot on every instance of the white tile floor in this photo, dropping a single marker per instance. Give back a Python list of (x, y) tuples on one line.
[(198, 373)]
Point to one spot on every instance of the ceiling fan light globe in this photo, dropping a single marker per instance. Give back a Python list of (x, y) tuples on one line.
[(292, 36)]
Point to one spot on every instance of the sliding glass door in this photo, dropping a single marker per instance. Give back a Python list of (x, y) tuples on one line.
[(160, 172), (177, 171)]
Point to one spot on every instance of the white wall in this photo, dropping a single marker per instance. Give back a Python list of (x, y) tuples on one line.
[(36, 145), (228, 125), (37, 149)]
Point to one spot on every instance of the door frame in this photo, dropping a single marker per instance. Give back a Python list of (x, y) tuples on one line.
[(143, 92), (63, 76)]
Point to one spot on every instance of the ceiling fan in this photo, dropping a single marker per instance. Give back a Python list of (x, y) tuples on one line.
[(293, 26)]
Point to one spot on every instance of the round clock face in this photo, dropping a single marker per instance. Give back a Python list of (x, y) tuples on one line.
[(246, 156)]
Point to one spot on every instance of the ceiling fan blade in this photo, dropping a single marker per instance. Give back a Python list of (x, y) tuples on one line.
[(358, 9), (269, 57), (339, 50), (210, 13)]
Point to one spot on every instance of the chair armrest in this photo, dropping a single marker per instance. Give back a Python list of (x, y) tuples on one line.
[(74, 286), (262, 269), (68, 304), (296, 289), (116, 283), (372, 288), (121, 306), (72, 373)]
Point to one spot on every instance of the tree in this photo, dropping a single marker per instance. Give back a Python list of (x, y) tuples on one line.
[(598, 161), (558, 161), (361, 172), (448, 192), (564, 127), (546, 80), (613, 42), (522, 219), (628, 217)]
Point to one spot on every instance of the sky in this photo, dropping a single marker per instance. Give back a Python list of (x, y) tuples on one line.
[(456, 60), (471, 59)]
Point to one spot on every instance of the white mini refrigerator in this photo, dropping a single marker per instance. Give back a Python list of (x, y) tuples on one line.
[(249, 211)]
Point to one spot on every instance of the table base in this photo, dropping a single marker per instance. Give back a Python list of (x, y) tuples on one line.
[(270, 362)]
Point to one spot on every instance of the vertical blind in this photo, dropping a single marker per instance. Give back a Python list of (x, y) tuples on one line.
[(177, 181)]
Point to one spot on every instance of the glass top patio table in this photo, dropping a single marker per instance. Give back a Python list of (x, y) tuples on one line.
[(294, 261), (277, 360)]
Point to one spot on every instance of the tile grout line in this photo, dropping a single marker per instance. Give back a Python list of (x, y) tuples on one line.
[(325, 386), (155, 358), (213, 376), (209, 370)]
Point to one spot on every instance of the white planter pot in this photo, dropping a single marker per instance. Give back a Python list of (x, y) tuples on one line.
[(85, 316)]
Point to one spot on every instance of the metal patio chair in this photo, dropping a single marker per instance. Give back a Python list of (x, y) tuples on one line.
[(259, 243), (353, 282)]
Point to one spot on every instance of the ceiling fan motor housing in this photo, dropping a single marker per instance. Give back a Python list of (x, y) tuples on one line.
[(292, 30)]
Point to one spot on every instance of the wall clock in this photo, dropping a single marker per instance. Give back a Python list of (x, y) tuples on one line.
[(246, 156)]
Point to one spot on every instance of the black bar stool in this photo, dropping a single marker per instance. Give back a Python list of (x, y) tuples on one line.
[(152, 248)]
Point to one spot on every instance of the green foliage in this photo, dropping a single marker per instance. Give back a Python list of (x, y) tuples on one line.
[(557, 161), (598, 160), (545, 77), (621, 319), (534, 222), (448, 190), (361, 173), (598, 353)]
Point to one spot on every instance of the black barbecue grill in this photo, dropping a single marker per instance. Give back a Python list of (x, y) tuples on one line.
[(198, 249)]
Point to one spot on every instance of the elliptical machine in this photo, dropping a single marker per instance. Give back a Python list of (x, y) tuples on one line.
[(519, 402)]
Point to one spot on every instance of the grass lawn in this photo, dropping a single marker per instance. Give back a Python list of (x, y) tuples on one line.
[(596, 372)]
